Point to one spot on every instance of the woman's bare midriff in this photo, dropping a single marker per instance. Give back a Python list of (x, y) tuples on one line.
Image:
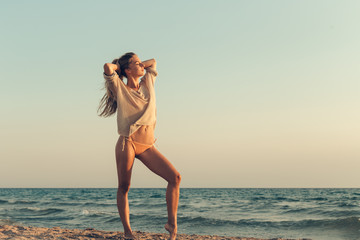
[(145, 134)]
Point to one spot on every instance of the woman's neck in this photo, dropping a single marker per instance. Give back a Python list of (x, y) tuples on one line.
[(133, 82)]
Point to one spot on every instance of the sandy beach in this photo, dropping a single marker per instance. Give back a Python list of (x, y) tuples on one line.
[(22, 232)]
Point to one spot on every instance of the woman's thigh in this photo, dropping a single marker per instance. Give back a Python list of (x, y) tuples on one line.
[(125, 156), (159, 164)]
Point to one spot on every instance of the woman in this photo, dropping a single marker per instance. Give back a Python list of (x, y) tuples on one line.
[(136, 119)]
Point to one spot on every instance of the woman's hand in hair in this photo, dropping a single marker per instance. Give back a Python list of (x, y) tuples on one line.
[(149, 63), (109, 68)]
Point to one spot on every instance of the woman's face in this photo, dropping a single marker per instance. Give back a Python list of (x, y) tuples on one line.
[(136, 68)]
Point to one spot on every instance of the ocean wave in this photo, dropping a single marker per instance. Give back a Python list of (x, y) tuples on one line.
[(298, 210), (7, 222), (317, 199), (281, 199), (99, 204), (114, 220), (354, 198), (3, 201), (342, 224), (136, 218), (259, 198), (78, 203), (44, 219), (149, 205), (347, 205), (22, 202), (343, 213), (157, 196), (286, 199), (153, 218), (39, 211), (96, 213)]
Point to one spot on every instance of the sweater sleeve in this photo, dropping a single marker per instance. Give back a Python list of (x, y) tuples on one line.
[(112, 82), (150, 75)]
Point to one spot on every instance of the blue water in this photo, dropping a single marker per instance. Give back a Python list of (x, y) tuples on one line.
[(262, 213)]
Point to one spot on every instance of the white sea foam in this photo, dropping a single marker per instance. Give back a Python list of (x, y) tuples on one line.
[(6, 222), (34, 208), (84, 212)]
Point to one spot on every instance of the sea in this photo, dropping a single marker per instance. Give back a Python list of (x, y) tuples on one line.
[(324, 213)]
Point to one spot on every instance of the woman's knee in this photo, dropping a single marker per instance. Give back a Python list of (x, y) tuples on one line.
[(176, 179), (124, 188)]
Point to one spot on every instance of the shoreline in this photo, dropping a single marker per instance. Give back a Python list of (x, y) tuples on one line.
[(29, 232)]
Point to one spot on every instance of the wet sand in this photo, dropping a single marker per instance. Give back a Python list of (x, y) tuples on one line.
[(22, 232)]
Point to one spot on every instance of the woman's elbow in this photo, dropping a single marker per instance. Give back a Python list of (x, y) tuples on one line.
[(106, 66), (107, 69), (153, 63)]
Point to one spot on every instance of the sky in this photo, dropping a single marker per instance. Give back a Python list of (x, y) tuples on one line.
[(249, 93)]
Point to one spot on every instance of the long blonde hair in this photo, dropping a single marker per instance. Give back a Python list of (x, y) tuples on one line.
[(108, 104)]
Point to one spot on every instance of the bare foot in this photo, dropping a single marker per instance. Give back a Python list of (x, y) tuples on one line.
[(172, 230), (129, 236)]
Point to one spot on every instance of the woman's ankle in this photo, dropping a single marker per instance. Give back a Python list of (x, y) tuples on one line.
[(171, 227), (129, 235)]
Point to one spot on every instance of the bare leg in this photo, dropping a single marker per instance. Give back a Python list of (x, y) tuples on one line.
[(157, 163), (172, 200), (124, 163)]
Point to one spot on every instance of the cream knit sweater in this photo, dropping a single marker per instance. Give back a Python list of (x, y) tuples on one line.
[(134, 108)]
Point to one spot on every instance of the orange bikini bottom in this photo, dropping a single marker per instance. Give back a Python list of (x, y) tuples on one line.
[(139, 148)]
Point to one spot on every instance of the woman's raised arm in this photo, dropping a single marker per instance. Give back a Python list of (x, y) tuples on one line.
[(149, 63), (109, 68)]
